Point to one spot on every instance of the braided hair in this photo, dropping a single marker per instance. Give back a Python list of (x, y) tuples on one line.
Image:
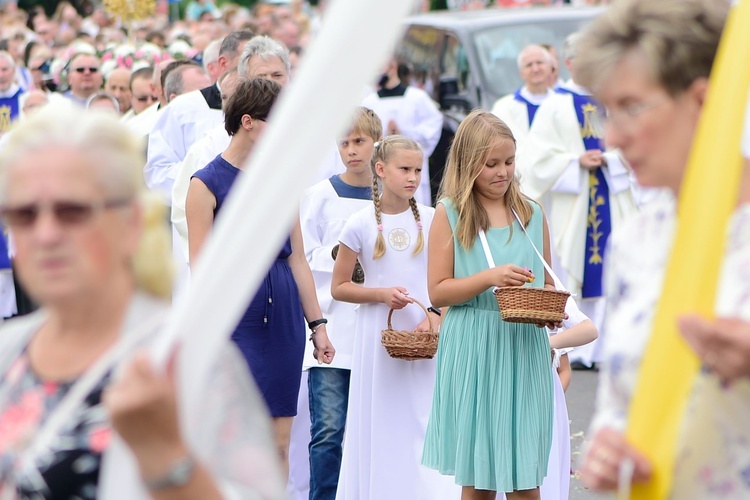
[(384, 151)]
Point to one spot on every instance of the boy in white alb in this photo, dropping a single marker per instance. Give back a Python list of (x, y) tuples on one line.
[(324, 211)]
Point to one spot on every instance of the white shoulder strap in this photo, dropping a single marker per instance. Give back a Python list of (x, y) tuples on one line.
[(558, 283), (488, 254)]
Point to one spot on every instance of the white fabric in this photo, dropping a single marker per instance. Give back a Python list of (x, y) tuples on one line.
[(298, 485), (640, 255), (556, 485), (323, 215), (8, 306), (389, 399), (515, 113), (144, 122), (184, 121), (200, 154), (231, 436), (417, 117)]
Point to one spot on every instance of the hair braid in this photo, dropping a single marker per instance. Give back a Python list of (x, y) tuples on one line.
[(420, 236), (380, 240)]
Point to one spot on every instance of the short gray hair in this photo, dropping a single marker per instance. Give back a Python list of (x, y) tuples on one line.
[(265, 48), (211, 53), (6, 55), (175, 82), (547, 55), (679, 39)]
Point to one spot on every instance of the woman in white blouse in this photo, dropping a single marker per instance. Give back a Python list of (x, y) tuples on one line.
[(649, 62)]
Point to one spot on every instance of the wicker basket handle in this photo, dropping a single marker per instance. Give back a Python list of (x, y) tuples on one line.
[(427, 314)]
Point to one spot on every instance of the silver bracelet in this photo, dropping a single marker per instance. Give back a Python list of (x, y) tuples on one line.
[(179, 474)]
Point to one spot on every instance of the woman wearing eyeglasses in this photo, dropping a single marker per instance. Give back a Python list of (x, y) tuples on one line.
[(649, 63), (92, 251)]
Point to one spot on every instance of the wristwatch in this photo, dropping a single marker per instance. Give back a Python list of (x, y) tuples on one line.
[(179, 474)]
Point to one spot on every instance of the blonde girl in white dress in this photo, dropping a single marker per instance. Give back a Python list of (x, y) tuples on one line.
[(389, 399)]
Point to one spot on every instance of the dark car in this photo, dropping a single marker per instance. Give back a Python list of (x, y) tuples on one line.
[(466, 60)]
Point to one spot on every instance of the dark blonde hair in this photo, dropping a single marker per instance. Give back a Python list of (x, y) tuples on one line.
[(367, 122), (384, 151), (474, 140), (679, 39)]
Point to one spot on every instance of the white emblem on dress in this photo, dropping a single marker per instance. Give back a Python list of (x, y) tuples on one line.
[(399, 239)]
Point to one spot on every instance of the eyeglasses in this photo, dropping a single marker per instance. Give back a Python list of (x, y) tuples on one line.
[(66, 213), (83, 70), (145, 98), (626, 115)]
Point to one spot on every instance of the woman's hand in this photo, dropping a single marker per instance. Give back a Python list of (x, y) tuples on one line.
[(143, 409), (396, 297), (510, 275), (722, 344), (601, 467), (323, 350)]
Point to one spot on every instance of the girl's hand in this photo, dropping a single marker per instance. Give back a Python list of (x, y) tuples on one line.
[(143, 409), (552, 325), (424, 326), (323, 350), (601, 468), (511, 275), (396, 297)]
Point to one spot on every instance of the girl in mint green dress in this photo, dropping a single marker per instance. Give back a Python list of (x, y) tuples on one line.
[(491, 419)]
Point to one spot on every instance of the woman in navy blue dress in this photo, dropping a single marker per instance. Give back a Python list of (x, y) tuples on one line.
[(271, 334)]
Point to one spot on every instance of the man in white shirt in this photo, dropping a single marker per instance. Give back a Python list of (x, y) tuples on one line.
[(186, 120)]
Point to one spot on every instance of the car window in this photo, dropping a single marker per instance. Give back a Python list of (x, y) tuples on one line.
[(420, 49), (454, 63), (498, 49)]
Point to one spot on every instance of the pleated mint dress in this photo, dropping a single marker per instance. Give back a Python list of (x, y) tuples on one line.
[(491, 420)]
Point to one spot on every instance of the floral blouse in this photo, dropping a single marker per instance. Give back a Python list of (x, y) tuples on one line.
[(71, 469), (715, 464)]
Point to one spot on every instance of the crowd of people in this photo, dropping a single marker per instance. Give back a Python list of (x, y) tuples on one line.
[(563, 185)]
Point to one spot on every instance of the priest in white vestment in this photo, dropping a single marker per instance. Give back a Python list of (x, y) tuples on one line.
[(590, 194)]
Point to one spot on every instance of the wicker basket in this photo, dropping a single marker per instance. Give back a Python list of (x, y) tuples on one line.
[(519, 304), (410, 346)]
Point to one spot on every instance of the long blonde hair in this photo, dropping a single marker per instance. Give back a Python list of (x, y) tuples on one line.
[(384, 151), (118, 158), (474, 140)]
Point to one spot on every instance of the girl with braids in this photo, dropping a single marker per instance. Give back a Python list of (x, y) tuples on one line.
[(389, 399), (491, 420)]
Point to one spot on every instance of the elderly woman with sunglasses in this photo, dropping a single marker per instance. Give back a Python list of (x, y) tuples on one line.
[(91, 250), (649, 63)]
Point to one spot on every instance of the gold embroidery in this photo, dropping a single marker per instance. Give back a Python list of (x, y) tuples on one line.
[(4, 118), (594, 220), (592, 122)]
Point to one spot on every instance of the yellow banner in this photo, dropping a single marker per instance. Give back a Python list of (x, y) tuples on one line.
[(707, 199)]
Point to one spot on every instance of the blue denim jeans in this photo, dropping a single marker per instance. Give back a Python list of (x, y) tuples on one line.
[(329, 397)]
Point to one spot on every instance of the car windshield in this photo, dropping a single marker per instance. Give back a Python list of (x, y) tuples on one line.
[(498, 49)]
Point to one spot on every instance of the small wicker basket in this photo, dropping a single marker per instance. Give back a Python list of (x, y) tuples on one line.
[(410, 346), (520, 304)]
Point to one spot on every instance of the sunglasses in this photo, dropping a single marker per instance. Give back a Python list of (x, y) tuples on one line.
[(145, 98), (66, 213), (83, 70)]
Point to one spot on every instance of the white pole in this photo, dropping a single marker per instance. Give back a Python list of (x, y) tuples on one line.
[(357, 38)]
